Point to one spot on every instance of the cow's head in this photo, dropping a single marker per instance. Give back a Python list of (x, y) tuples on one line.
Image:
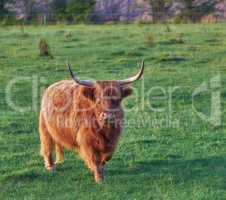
[(107, 95)]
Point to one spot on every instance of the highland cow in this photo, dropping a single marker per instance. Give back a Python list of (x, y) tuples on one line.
[(85, 116)]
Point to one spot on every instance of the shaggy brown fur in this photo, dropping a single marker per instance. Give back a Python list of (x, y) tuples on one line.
[(86, 119)]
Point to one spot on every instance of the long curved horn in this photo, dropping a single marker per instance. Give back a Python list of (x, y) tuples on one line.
[(134, 78), (86, 83)]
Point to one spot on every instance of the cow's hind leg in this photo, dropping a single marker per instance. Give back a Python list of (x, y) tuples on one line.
[(47, 145), (59, 153)]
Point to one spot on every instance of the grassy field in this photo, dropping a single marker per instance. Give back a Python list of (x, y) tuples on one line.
[(171, 153)]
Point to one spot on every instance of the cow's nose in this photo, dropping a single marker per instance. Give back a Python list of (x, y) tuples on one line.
[(103, 116), (106, 116)]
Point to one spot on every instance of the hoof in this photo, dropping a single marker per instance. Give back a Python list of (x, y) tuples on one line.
[(49, 167), (59, 162), (99, 179)]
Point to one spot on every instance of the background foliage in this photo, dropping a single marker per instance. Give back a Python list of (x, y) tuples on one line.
[(74, 11)]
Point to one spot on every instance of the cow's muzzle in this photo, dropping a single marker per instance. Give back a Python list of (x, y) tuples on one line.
[(107, 117)]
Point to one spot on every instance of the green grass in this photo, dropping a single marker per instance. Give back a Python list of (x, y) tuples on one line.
[(186, 160)]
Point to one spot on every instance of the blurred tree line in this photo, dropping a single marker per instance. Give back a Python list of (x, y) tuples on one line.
[(193, 9), (78, 10), (3, 10), (69, 10), (81, 10)]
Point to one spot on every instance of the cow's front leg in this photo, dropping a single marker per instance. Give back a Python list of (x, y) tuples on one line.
[(92, 160), (59, 154), (97, 168), (99, 173)]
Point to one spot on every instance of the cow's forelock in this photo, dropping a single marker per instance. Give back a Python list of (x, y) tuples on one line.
[(108, 101), (109, 95)]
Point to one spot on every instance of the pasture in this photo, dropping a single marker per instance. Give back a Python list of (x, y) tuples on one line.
[(167, 150)]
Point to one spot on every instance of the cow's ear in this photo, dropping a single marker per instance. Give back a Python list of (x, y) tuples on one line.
[(89, 92), (127, 91)]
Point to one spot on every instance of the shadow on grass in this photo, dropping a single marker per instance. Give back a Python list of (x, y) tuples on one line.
[(211, 168), (172, 59), (30, 175), (180, 171), (172, 42)]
